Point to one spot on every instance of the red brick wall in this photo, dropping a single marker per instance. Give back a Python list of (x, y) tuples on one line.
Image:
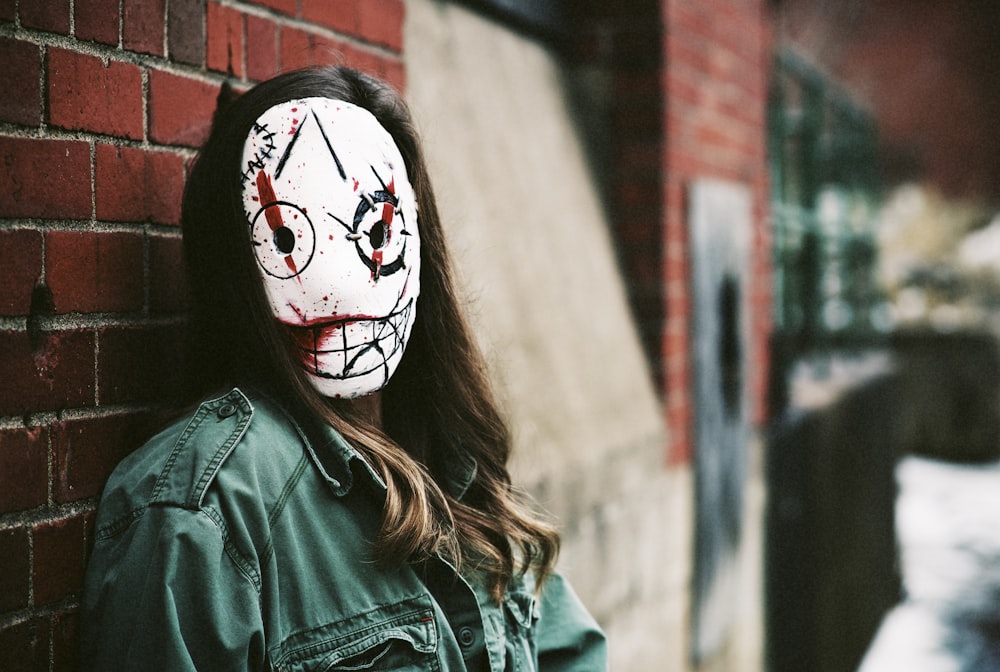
[(717, 56), (100, 116), (624, 38), (688, 84)]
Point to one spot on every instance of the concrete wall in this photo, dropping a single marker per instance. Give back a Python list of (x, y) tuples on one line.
[(530, 239)]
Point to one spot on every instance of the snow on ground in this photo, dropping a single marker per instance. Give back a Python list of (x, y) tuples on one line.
[(948, 527)]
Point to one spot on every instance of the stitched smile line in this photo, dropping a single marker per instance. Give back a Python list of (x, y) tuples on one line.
[(352, 346)]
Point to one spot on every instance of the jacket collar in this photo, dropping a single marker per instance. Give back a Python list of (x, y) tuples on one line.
[(339, 462)]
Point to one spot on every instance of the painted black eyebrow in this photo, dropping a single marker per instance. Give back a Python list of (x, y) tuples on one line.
[(340, 168), (379, 178), (288, 150), (342, 222)]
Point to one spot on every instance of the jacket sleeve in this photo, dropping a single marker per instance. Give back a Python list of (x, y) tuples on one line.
[(166, 595), (567, 636)]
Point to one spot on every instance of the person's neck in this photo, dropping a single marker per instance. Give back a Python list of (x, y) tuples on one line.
[(369, 407)]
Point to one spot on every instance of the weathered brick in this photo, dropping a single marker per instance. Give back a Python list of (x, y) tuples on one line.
[(50, 15), (15, 580), (90, 272), (65, 641), (180, 109), (21, 261), (394, 73), (296, 46), (22, 66), (85, 451), (53, 370), (139, 363), (84, 94), (381, 22), (326, 52), (57, 570), (143, 26), (44, 178), (262, 54), (24, 468), (8, 10), (89, 528), (283, 6), (186, 31), (135, 185), (167, 288), (24, 646), (97, 20), (224, 28), (340, 15)]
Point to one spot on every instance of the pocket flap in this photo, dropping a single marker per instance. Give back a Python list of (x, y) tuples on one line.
[(400, 636)]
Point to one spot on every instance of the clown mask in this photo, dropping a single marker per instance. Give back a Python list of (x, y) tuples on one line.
[(333, 220)]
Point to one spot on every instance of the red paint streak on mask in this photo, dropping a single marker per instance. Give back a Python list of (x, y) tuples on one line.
[(271, 211), (387, 214), (267, 198), (388, 210)]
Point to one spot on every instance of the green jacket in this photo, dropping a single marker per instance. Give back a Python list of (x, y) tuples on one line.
[(231, 541)]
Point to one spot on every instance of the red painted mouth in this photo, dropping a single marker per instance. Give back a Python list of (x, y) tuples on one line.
[(345, 347)]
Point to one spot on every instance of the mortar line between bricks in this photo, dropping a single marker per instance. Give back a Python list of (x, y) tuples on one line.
[(88, 226), (46, 132), (97, 367), (13, 323), (51, 466), (144, 83), (28, 518), (166, 29), (93, 181), (80, 321), (244, 39), (31, 561), (121, 25), (44, 418), (13, 618)]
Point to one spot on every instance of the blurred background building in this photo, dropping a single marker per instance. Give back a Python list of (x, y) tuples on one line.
[(731, 261)]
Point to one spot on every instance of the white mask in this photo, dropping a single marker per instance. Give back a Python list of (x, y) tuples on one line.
[(333, 220)]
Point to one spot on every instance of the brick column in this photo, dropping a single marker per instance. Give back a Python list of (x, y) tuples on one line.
[(717, 57), (102, 114)]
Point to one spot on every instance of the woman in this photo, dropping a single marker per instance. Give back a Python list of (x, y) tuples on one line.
[(341, 501)]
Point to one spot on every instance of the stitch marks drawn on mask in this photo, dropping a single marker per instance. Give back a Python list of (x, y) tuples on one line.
[(262, 154)]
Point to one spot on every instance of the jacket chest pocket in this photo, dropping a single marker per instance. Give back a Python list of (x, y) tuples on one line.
[(401, 637)]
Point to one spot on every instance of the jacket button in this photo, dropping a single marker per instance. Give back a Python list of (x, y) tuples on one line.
[(226, 410), (466, 637)]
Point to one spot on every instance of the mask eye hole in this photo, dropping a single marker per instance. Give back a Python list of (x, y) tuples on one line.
[(379, 234), (284, 239)]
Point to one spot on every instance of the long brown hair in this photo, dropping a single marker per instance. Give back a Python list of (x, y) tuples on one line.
[(438, 408)]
